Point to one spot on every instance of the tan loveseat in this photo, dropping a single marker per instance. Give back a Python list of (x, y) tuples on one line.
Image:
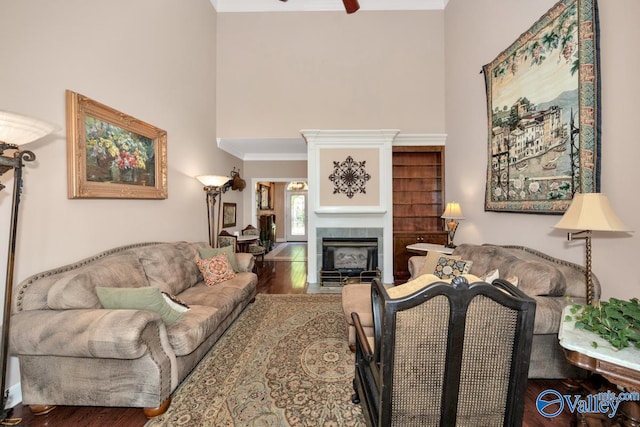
[(551, 282), (74, 352)]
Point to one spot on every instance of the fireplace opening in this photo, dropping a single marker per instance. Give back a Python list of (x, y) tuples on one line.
[(349, 260)]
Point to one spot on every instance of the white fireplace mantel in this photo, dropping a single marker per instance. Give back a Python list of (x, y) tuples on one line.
[(368, 210)]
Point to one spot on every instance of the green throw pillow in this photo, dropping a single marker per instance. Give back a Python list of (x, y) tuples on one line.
[(208, 252), (147, 298)]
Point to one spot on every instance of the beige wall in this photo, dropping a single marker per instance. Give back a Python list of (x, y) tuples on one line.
[(476, 32), (282, 72), (152, 59)]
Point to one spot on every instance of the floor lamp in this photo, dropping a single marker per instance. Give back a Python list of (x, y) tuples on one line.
[(213, 186), (589, 212), (15, 130)]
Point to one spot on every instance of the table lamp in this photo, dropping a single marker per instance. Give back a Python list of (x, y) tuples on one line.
[(451, 215), (589, 212)]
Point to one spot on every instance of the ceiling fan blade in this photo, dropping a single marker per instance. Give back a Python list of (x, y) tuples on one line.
[(351, 5)]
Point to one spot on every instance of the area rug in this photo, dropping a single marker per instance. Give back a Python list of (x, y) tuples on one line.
[(284, 362)]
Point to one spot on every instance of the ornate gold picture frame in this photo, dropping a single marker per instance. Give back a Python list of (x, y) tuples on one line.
[(113, 155)]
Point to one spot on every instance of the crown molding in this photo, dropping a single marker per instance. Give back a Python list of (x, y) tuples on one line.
[(264, 149), (293, 149), (420, 139), (323, 5)]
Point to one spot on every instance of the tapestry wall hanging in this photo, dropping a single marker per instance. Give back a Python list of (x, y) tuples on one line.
[(543, 113)]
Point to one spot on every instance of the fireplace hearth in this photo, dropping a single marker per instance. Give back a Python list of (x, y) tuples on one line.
[(349, 260)]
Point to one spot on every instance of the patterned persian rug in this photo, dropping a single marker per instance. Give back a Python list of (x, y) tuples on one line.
[(284, 362)]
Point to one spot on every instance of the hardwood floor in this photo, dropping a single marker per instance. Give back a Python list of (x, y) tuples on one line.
[(275, 277)]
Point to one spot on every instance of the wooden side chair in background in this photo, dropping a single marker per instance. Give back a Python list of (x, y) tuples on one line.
[(227, 239), (256, 249)]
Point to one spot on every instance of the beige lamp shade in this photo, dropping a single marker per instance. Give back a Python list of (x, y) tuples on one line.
[(213, 180), (452, 211), (590, 211), (17, 129)]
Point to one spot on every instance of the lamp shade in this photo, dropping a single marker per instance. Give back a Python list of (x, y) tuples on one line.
[(17, 129), (213, 180), (590, 211), (453, 211)]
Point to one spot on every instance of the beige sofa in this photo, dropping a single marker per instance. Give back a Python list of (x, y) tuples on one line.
[(74, 352), (551, 282)]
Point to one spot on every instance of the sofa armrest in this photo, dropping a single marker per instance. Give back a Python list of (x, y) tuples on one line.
[(114, 334), (549, 312), (415, 264), (245, 261)]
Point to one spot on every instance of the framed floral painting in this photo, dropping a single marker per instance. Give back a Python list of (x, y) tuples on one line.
[(111, 154), (543, 109)]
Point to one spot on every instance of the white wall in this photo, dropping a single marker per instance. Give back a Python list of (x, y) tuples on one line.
[(152, 59), (475, 33), (282, 72)]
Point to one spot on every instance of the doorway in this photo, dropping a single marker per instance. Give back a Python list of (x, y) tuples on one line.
[(296, 212)]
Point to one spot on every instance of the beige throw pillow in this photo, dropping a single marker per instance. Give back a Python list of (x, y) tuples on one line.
[(490, 276), (421, 282)]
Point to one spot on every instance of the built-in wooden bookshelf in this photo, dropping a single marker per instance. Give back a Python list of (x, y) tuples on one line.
[(418, 202)]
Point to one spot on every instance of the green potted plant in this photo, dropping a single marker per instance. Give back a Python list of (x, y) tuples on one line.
[(616, 321)]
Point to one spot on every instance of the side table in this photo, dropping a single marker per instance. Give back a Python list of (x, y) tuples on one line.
[(422, 248), (620, 367)]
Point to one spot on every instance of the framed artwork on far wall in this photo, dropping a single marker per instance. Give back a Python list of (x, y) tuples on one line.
[(113, 155), (264, 197), (543, 104), (228, 215)]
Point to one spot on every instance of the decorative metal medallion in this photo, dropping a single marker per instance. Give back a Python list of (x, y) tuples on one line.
[(349, 177)]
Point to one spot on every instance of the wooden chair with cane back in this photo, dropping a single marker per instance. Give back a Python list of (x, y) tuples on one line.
[(445, 355)]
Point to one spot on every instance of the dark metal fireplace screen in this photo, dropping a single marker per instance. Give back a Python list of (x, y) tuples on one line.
[(349, 259)]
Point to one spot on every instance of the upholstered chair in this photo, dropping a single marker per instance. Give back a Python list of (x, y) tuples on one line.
[(445, 354), (226, 239), (255, 248)]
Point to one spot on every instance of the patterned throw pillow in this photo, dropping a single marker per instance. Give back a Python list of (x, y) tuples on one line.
[(448, 268), (175, 303), (216, 269), (431, 261)]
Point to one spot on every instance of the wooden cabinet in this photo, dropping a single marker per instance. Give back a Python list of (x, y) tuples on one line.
[(401, 255), (418, 202), (268, 231)]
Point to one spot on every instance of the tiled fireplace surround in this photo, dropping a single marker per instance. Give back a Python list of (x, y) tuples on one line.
[(367, 215), (348, 232), (347, 218)]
